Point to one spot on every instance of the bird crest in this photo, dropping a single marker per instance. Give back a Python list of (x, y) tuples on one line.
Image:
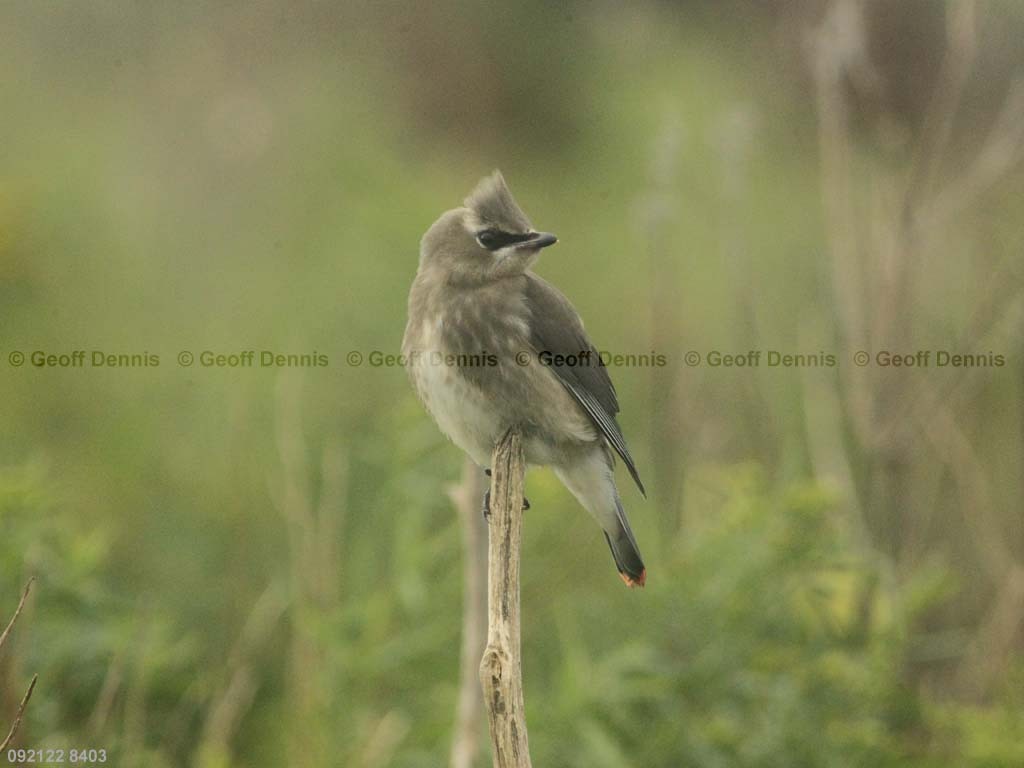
[(493, 203)]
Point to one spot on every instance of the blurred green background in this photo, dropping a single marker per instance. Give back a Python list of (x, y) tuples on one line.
[(263, 567)]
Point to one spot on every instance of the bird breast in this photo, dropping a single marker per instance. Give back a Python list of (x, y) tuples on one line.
[(471, 363), (460, 408)]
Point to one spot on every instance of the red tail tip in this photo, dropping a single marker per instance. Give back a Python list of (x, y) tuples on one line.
[(630, 582)]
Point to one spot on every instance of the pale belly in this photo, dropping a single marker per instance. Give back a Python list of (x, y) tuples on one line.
[(555, 427), (460, 410)]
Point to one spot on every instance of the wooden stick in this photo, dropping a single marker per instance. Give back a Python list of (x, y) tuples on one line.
[(501, 673), (17, 611)]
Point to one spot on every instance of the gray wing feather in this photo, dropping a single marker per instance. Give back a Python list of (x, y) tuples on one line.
[(556, 328)]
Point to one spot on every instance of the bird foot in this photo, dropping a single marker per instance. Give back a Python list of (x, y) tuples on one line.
[(487, 504)]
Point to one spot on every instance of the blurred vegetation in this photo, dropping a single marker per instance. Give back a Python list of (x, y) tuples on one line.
[(256, 567)]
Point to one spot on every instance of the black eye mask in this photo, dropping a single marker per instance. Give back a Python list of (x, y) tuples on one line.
[(493, 239)]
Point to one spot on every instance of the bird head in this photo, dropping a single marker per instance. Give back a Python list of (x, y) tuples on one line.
[(487, 239)]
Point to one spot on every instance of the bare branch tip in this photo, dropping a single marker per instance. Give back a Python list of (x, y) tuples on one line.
[(21, 712)]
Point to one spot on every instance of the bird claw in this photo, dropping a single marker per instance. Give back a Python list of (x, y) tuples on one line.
[(487, 504)]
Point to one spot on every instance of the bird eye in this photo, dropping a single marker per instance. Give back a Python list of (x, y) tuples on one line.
[(488, 239), (493, 239)]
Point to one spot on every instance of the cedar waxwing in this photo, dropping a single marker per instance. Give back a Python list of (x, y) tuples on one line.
[(489, 345)]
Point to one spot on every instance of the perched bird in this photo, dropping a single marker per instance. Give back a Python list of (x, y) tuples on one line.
[(489, 345)]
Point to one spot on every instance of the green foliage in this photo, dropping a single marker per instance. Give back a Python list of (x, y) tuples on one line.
[(85, 631), (990, 737), (765, 638), (760, 645)]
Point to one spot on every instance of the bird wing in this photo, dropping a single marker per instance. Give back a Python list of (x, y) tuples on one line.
[(556, 329)]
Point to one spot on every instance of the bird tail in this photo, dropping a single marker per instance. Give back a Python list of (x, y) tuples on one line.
[(591, 481), (625, 551)]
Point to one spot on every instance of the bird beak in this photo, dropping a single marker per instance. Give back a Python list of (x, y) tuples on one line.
[(538, 240)]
